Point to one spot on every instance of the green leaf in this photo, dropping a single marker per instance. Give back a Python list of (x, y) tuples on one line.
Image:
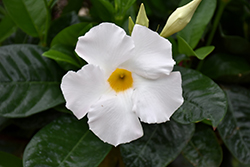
[(227, 68), (234, 129), (30, 15), (63, 53), (184, 47), (121, 6), (193, 32), (203, 149), (65, 142), (7, 27), (61, 23), (160, 144), (29, 82), (203, 99), (103, 9), (200, 53), (9, 160), (69, 35)]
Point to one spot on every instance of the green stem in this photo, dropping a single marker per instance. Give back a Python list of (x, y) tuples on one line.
[(43, 38), (221, 7)]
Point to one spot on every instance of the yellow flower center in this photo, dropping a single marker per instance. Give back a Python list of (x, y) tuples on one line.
[(120, 80)]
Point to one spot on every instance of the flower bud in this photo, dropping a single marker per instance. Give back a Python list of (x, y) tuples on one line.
[(142, 18), (180, 18)]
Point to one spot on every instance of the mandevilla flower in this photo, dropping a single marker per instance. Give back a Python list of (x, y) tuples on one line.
[(127, 80)]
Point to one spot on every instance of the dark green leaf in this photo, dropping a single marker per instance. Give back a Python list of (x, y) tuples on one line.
[(65, 142), (203, 149), (29, 82), (235, 127), (9, 160), (236, 45), (160, 144), (193, 32), (7, 27), (227, 68), (63, 53), (204, 99), (69, 35), (30, 15)]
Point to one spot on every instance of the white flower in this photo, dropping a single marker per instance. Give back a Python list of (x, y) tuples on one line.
[(127, 79)]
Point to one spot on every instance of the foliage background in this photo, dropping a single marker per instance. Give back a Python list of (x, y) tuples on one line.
[(210, 129)]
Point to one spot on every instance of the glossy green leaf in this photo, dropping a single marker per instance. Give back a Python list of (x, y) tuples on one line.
[(203, 149), (204, 99), (160, 144), (7, 27), (63, 53), (30, 15), (69, 35), (193, 32), (200, 53), (65, 142), (227, 68), (9, 160), (29, 82), (235, 127)]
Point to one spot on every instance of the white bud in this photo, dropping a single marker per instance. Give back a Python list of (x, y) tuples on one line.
[(180, 18)]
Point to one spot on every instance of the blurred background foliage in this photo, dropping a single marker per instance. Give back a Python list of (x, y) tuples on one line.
[(213, 52)]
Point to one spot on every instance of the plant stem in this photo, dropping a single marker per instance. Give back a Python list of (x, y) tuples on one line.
[(221, 7), (222, 4)]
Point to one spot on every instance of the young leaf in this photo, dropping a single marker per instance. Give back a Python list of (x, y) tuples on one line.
[(30, 15), (203, 99), (29, 82), (160, 144), (193, 32), (63, 53), (65, 142), (234, 129), (9, 160), (200, 53), (203, 149)]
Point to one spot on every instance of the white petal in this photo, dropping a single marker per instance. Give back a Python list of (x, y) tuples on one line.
[(113, 121), (83, 88), (105, 45), (153, 54), (156, 100)]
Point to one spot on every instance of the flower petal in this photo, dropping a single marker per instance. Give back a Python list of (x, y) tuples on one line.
[(113, 121), (156, 100), (105, 45), (153, 54), (83, 88)]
